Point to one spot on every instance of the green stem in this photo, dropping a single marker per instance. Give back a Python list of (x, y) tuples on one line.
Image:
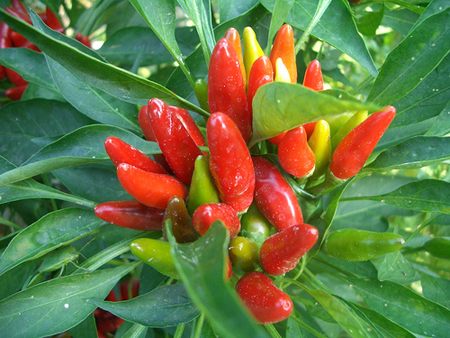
[(179, 331), (272, 330), (321, 8), (199, 326), (47, 182), (13, 225), (308, 328)]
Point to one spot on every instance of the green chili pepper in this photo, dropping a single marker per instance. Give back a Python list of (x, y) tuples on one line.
[(438, 247), (201, 91), (244, 253), (354, 121), (337, 121), (255, 226), (361, 245), (156, 254), (320, 144)]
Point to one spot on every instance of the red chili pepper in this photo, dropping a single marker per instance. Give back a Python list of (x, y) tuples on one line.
[(207, 214), (284, 48), (232, 35), (295, 155), (15, 78), (144, 123), (121, 152), (226, 90), (313, 76), (52, 21), (173, 139), (230, 162), (15, 94), (277, 139), (190, 125), (131, 214), (260, 74), (274, 196), (353, 151), (151, 189), (19, 14), (266, 302), (309, 128), (19, 7), (83, 39), (280, 253), (126, 293)]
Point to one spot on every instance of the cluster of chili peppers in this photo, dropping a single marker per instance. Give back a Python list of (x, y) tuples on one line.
[(196, 181), (12, 39)]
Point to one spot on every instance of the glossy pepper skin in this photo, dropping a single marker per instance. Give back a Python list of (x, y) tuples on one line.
[(255, 226), (182, 227), (244, 253), (295, 155), (351, 124), (155, 253), (266, 302), (122, 152), (226, 90), (284, 48), (202, 189), (281, 252), (201, 91), (313, 76), (230, 162), (174, 140), (320, 144), (252, 49), (260, 74), (274, 196), (360, 245), (353, 151), (207, 214), (151, 189), (232, 35), (131, 214)]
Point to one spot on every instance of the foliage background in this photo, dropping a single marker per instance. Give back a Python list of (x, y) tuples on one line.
[(54, 169)]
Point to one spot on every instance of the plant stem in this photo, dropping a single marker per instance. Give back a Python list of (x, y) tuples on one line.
[(199, 326), (272, 330), (179, 331)]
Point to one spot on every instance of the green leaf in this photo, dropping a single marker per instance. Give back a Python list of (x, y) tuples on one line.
[(230, 9), (426, 196), (135, 331), (278, 107), (413, 59), (346, 317), (336, 27), (280, 13), (369, 22), (395, 268), (90, 69), (436, 289), (83, 146), (402, 20), (165, 306), (415, 152), (95, 103), (13, 280), (85, 329), (404, 307), (201, 266), (30, 189), (433, 7), (25, 121), (57, 305), (50, 232), (442, 125)]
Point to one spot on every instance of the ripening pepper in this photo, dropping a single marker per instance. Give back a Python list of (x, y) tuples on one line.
[(244, 253), (351, 124), (281, 252), (313, 76), (232, 35), (284, 48), (202, 189), (230, 162), (274, 196), (252, 49), (320, 143), (131, 214), (266, 302), (122, 152), (207, 214), (255, 226), (281, 72), (174, 139), (151, 189), (336, 122), (155, 253), (182, 227), (353, 151), (360, 245), (295, 155), (226, 90)]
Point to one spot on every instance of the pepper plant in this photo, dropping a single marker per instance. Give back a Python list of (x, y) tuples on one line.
[(273, 168)]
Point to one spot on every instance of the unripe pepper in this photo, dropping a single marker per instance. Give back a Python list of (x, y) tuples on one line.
[(174, 140), (360, 245), (131, 214), (155, 253), (230, 162), (207, 214), (182, 227), (151, 189), (281, 252), (232, 35), (201, 91), (320, 143), (266, 302), (202, 189), (284, 48), (336, 122), (351, 124), (438, 247), (274, 196), (255, 226), (252, 49), (353, 151), (226, 90), (244, 253), (313, 76), (281, 72), (121, 152), (295, 155)]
